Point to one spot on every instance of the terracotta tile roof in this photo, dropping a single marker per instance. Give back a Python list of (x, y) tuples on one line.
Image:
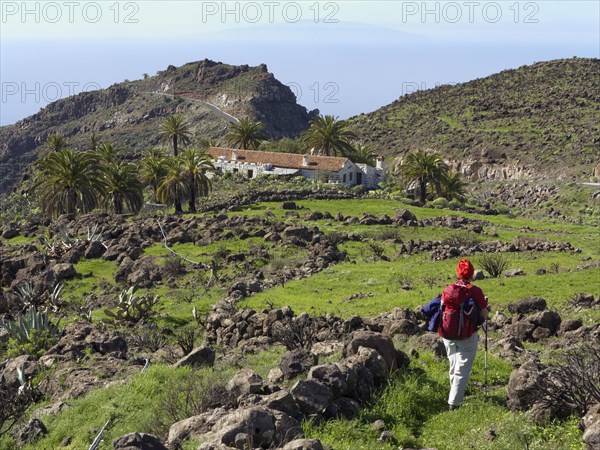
[(287, 160)]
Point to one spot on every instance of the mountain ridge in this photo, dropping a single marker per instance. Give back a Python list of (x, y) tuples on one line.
[(129, 113)]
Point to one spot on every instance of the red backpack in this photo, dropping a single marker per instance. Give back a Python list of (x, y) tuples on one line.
[(455, 322)]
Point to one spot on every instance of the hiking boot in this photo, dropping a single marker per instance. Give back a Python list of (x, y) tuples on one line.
[(453, 407)]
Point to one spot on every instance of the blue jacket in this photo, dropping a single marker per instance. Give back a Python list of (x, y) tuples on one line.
[(433, 311)]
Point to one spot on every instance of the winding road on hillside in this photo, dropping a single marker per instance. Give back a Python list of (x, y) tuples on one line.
[(212, 107)]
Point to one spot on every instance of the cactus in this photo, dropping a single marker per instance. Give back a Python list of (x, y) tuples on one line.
[(132, 308)]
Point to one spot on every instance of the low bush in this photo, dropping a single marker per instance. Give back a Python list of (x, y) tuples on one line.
[(494, 264), (440, 203)]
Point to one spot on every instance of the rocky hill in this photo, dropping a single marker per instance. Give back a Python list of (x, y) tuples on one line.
[(535, 121), (130, 113)]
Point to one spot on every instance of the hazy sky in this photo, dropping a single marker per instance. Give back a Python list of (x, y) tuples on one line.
[(342, 57)]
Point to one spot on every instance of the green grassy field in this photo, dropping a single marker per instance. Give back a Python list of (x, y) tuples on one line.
[(413, 404)]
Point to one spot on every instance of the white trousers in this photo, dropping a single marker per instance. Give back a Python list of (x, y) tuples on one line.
[(461, 354)]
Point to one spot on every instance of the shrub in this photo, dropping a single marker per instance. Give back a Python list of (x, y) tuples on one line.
[(461, 240), (494, 264), (299, 332), (574, 383), (198, 392), (377, 249), (14, 405), (37, 344), (149, 338), (174, 266), (455, 204), (186, 339), (440, 203)]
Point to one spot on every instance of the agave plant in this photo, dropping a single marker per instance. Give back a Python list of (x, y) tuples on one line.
[(55, 300), (33, 320), (26, 293), (132, 308)]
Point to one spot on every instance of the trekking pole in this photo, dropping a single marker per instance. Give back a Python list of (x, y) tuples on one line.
[(485, 358)]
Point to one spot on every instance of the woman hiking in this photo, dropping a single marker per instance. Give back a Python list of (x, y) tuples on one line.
[(463, 308)]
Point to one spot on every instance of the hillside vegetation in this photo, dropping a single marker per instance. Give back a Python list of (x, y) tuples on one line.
[(542, 118), (263, 252)]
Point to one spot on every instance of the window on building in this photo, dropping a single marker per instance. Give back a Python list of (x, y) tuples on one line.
[(344, 178), (351, 174), (250, 173)]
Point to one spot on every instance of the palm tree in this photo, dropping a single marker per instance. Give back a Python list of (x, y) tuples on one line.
[(122, 187), (108, 153), (173, 185), (67, 181), (175, 130), (424, 168), (153, 168), (363, 154), (205, 144), (246, 134), (56, 142), (196, 163), (453, 186), (328, 136)]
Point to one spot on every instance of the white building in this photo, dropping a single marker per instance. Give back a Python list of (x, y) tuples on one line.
[(252, 163)]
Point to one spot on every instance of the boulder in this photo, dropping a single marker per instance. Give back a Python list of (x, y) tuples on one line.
[(31, 432), (365, 385), (523, 385), (282, 401), (590, 423), (380, 343), (403, 327), (246, 381), (145, 273), (8, 374), (522, 330), (94, 250), (570, 325), (138, 441), (405, 214), (193, 427), (546, 319), (262, 427), (79, 338), (63, 271), (201, 356), (583, 301), (513, 273), (527, 305), (296, 362), (289, 205), (433, 342), (338, 377), (312, 396), (9, 232), (372, 361), (304, 444), (342, 408)]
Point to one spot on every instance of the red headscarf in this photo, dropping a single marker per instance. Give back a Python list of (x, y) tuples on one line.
[(464, 269)]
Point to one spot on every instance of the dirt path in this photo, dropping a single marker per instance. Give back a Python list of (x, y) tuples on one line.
[(213, 108)]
